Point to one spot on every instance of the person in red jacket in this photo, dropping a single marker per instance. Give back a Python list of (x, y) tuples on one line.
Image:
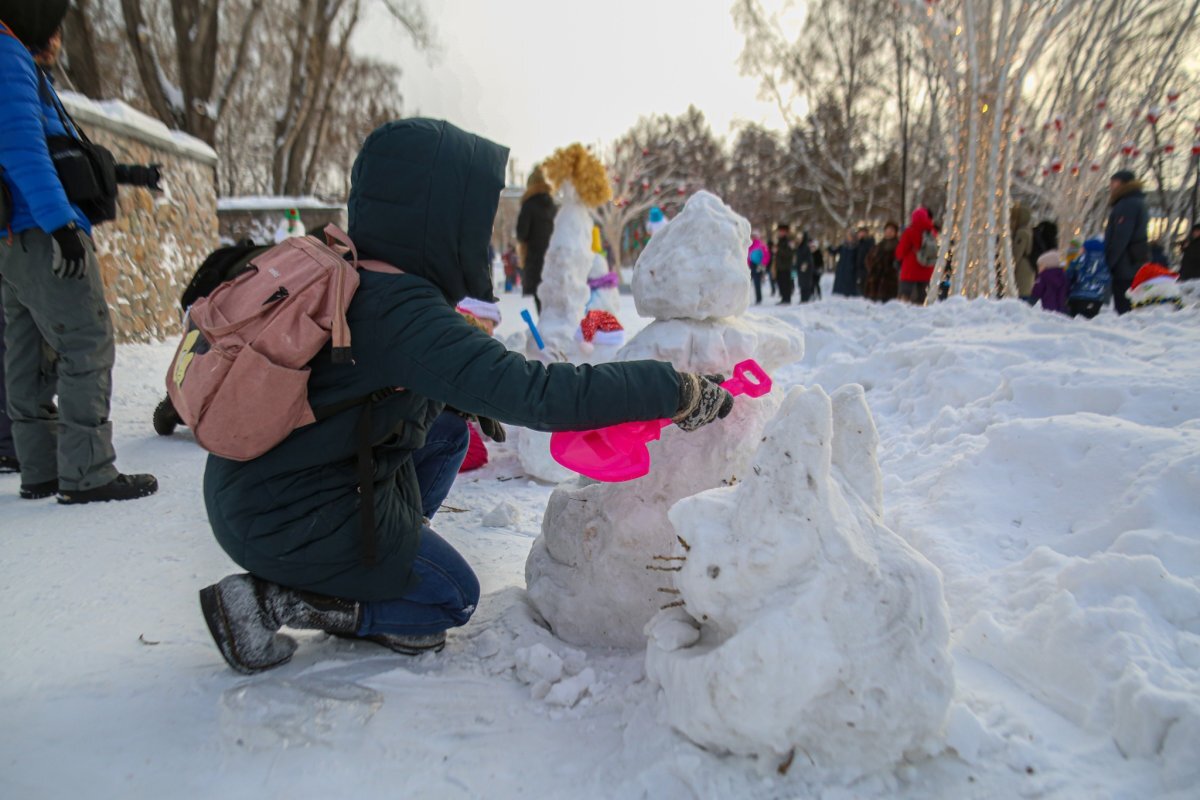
[(914, 275)]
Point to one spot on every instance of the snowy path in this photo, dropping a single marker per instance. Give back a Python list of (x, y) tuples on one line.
[(1050, 469)]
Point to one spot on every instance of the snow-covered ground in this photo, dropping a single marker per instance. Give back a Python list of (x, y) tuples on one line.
[(1049, 468)]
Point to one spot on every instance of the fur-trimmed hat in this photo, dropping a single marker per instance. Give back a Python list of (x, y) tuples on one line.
[(33, 21), (480, 309), (1049, 260)]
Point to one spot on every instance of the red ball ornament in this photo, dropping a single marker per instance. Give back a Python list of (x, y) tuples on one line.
[(1108, 124), (681, 191), (1136, 152), (1094, 167), (1058, 123), (1127, 148), (1172, 96), (1056, 166), (1153, 115), (645, 184), (1045, 172), (1102, 103), (1196, 148), (1168, 148), (1021, 131), (645, 151), (1074, 170)]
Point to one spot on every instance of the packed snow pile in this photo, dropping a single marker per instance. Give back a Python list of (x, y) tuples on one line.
[(593, 574), (1046, 466), (1064, 456), (684, 272), (808, 631)]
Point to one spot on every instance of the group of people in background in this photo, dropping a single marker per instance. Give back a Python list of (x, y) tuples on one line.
[(1122, 266), (898, 266)]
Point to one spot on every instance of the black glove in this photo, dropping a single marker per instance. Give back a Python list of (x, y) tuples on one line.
[(701, 401), (73, 263), (492, 429), (149, 177)]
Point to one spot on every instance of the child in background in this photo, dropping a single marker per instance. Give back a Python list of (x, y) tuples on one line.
[(485, 316), (1051, 286), (1090, 280)]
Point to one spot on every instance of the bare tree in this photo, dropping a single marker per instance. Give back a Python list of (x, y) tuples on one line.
[(1117, 97), (658, 162), (179, 73), (831, 67)]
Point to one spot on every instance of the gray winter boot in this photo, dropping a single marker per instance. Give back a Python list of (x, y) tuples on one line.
[(244, 615), (407, 645)]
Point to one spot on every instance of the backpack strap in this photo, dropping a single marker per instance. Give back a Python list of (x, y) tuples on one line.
[(366, 462)]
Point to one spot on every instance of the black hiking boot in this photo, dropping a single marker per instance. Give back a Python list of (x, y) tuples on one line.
[(245, 613), (36, 491), (123, 487), (166, 418), (9, 464)]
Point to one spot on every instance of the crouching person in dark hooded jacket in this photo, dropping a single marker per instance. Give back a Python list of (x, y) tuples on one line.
[(423, 198)]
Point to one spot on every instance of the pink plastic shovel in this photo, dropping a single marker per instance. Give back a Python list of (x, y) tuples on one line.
[(619, 452)]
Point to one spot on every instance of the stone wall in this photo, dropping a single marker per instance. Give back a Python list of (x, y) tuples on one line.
[(149, 253)]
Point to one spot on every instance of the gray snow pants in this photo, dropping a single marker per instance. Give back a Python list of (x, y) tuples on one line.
[(7, 448), (58, 341)]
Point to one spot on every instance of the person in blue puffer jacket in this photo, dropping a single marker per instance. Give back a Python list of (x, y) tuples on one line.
[(1090, 280), (58, 334)]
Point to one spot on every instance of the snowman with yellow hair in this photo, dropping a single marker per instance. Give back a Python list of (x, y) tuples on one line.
[(582, 185)]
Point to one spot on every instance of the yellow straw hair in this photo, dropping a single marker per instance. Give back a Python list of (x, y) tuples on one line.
[(583, 170)]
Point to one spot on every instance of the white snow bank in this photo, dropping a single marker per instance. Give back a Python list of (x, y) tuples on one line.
[(808, 632), (106, 650), (275, 203), (129, 120)]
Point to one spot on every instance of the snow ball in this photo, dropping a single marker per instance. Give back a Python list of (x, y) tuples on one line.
[(695, 268), (504, 515)]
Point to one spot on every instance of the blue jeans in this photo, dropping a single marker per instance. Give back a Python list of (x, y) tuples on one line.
[(447, 589)]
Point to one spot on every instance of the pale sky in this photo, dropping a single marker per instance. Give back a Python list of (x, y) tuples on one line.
[(536, 75)]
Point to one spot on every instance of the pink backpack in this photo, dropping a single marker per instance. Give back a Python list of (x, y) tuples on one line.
[(239, 378)]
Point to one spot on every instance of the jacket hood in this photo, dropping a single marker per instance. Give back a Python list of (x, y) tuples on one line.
[(423, 196), (33, 21), (1124, 190), (921, 220), (1019, 216)]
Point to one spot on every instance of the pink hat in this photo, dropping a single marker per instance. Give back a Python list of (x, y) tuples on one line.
[(480, 309)]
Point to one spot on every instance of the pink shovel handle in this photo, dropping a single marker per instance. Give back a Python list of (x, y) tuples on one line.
[(749, 379)]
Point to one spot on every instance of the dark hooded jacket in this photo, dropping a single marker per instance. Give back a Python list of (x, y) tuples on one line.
[(1126, 243), (535, 225), (423, 198)]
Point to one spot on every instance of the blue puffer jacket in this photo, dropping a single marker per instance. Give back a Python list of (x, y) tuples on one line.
[(25, 121), (1089, 275)]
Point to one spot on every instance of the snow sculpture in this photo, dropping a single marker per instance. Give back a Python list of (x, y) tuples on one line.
[(582, 185), (594, 574), (805, 628)]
